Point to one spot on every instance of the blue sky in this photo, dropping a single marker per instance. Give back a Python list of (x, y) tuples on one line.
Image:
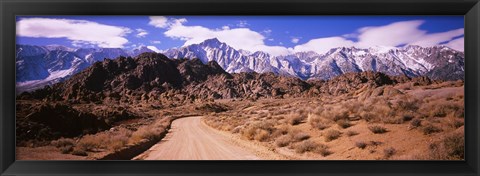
[(274, 34)]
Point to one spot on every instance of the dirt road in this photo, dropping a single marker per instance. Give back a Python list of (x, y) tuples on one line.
[(190, 139)]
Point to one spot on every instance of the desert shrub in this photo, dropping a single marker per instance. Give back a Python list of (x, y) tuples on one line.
[(111, 140), (146, 133), (249, 133), (283, 141), (341, 114), (408, 105), (118, 141), (90, 142), (301, 136), (429, 129), (317, 122), (212, 107), (63, 142), (310, 146), (323, 150), (442, 108), (416, 122), (267, 125), (407, 117), (377, 129), (361, 144), (380, 111), (438, 112), (281, 130), (261, 135), (331, 135), (460, 113), (295, 119), (351, 133), (452, 147), (66, 149), (368, 116), (388, 152), (259, 130), (457, 123), (344, 123), (236, 129), (79, 152)]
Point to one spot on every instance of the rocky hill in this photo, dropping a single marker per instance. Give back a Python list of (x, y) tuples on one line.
[(107, 92), (154, 77)]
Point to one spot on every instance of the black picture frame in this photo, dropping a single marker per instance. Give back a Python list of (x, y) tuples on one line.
[(10, 8)]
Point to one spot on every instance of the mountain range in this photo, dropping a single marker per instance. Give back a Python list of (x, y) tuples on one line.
[(38, 66)]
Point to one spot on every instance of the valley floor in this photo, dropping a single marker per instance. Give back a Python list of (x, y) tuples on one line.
[(402, 122)]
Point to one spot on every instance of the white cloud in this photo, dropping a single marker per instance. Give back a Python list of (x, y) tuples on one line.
[(80, 32), (153, 48), (242, 24), (457, 44), (295, 39), (267, 32), (158, 21), (392, 35), (141, 33), (238, 38), (322, 45), (435, 39), (155, 42), (270, 39)]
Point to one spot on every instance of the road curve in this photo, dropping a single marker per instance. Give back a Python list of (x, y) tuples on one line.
[(190, 139)]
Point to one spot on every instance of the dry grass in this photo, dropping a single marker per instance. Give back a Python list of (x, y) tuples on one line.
[(408, 104), (344, 123), (416, 123), (146, 133), (301, 136), (62, 142), (310, 146), (281, 130), (361, 144), (79, 152), (442, 108), (296, 118), (317, 122), (262, 135), (451, 147), (331, 135), (429, 129), (259, 130), (388, 152), (110, 140), (351, 133), (377, 129), (283, 141)]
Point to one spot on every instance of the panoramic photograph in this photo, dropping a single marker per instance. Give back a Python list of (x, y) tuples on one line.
[(240, 88)]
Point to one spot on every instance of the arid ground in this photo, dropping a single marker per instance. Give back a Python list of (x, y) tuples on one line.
[(422, 122), (141, 113)]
